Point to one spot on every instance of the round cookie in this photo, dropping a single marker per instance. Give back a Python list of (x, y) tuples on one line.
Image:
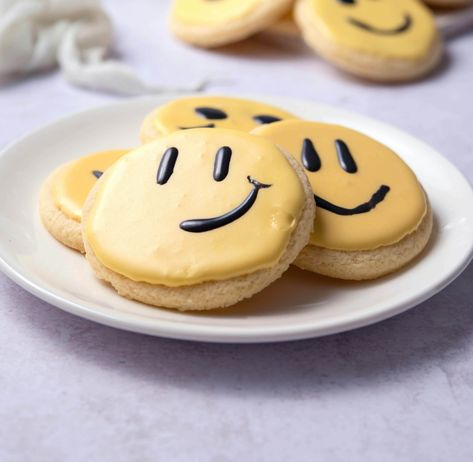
[(64, 192), (373, 216), (209, 112), (198, 220), (213, 23), (383, 40)]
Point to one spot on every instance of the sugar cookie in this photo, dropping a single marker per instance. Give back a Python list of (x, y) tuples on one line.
[(373, 216), (209, 112), (198, 220), (64, 192), (212, 23), (383, 40)]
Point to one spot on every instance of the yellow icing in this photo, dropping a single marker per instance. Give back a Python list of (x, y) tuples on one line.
[(332, 19), (181, 113), (210, 12), (397, 215), (134, 225), (74, 181)]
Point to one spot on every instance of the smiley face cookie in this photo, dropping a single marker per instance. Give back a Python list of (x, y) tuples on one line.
[(209, 112), (212, 23), (198, 220), (64, 192), (383, 40), (373, 216)]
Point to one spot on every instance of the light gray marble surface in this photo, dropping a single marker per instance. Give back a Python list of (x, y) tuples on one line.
[(402, 390)]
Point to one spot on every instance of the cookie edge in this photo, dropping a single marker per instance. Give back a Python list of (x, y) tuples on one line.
[(368, 264), (64, 229), (226, 33)]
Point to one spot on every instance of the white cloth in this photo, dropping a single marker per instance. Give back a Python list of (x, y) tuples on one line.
[(74, 34)]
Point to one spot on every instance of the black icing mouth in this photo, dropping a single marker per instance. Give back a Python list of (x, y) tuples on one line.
[(198, 126), (375, 30), (201, 225), (376, 198)]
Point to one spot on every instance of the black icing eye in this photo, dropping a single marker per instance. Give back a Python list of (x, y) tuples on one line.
[(265, 119), (310, 158), (97, 173), (345, 157), (222, 163), (348, 2), (166, 166), (211, 113)]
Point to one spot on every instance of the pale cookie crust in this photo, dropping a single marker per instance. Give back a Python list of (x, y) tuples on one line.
[(213, 294), (225, 33), (359, 64), (66, 230), (367, 264)]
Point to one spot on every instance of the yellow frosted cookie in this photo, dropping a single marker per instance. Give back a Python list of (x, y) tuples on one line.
[(197, 220), (212, 23), (64, 192), (373, 216), (209, 112), (383, 40)]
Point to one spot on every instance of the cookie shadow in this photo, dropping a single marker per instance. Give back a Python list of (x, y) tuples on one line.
[(304, 290), (264, 46)]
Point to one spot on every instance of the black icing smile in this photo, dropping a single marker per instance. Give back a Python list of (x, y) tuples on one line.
[(407, 23), (209, 113), (201, 225), (366, 207), (198, 126)]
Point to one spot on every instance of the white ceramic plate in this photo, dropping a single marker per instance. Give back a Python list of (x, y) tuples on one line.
[(300, 305)]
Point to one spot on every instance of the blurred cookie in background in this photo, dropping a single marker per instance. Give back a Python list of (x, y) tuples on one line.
[(387, 40), (211, 24)]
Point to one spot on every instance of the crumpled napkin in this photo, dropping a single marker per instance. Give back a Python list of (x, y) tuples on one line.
[(72, 34)]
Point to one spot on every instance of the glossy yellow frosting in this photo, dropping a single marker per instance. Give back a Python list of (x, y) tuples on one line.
[(209, 12), (74, 181), (399, 214), (240, 113), (134, 227), (343, 24)]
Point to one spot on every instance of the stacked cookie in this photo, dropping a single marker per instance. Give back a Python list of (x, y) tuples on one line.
[(382, 40), (225, 194)]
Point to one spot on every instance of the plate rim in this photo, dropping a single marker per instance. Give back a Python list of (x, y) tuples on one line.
[(236, 334)]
